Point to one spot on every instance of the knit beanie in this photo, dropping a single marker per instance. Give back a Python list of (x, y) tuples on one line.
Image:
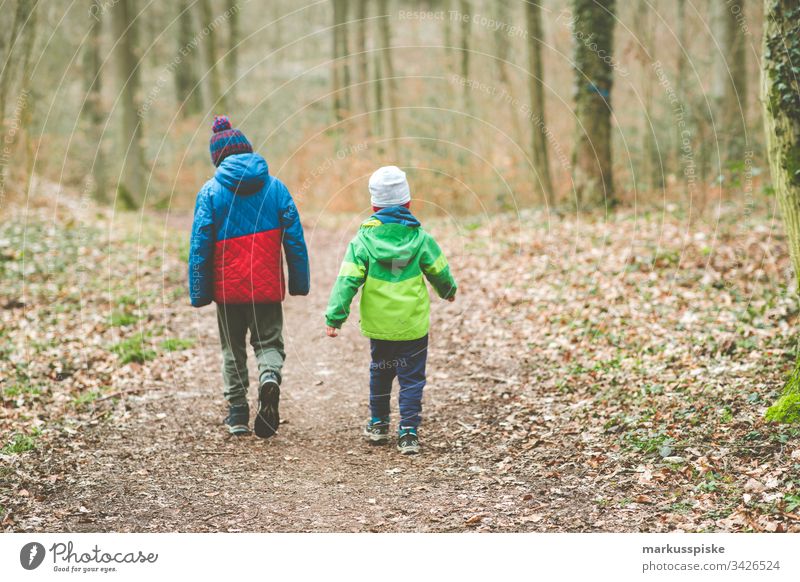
[(388, 187), (226, 141)]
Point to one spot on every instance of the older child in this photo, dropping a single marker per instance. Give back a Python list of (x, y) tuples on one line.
[(241, 219), (389, 257)]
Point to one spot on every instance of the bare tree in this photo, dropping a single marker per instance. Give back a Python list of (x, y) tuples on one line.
[(232, 13), (131, 187), (93, 109), (187, 87), (387, 71), (541, 161), (337, 76), (780, 94), (650, 170), (466, 31), (362, 67), (209, 26), (730, 78), (680, 76), (593, 34), (10, 55)]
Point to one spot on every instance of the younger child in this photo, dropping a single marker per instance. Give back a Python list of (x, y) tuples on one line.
[(242, 217), (389, 256)]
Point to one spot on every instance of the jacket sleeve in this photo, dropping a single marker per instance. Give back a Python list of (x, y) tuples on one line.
[(352, 275), (436, 269), (201, 252), (294, 246)]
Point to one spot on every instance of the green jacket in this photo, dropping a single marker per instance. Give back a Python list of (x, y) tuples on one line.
[(389, 256)]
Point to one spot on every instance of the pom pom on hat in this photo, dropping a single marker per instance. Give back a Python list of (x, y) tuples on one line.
[(221, 123)]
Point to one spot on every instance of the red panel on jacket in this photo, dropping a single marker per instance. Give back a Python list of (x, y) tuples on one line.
[(249, 269)]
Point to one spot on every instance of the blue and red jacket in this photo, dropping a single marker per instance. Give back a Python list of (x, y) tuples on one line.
[(241, 218)]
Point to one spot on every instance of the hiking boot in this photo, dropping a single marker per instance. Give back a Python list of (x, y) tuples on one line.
[(238, 419), (407, 440), (268, 418), (376, 430)]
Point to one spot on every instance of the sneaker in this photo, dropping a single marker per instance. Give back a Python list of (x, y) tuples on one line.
[(377, 430), (407, 440), (238, 419), (268, 418)]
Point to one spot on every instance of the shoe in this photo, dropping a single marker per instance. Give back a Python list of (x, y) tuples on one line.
[(408, 441), (268, 418), (377, 430), (238, 419)]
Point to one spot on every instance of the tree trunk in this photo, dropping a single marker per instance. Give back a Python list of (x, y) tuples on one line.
[(10, 56), (233, 50), (387, 70), (344, 54), (93, 110), (466, 30), (131, 187), (780, 94), (650, 170), (541, 161), (377, 84), (730, 80), (187, 87), (680, 75), (216, 99), (26, 99), (594, 40), (448, 36), (337, 76), (361, 62)]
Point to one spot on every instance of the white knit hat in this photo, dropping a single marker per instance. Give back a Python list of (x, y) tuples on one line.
[(388, 187)]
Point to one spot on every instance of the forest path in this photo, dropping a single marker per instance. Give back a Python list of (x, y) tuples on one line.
[(169, 464)]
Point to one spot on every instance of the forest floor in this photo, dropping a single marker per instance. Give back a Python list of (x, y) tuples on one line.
[(595, 374)]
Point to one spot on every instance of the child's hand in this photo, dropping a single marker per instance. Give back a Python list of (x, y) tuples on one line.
[(331, 331)]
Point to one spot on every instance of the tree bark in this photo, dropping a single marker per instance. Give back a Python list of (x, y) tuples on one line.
[(337, 75), (233, 50), (187, 87), (680, 76), (730, 80), (130, 189), (780, 94), (593, 36), (93, 110), (541, 160), (8, 65), (344, 53), (216, 99), (650, 169), (387, 70), (362, 67), (466, 30)]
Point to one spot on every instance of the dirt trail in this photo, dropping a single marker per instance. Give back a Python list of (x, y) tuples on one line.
[(168, 464), (557, 399)]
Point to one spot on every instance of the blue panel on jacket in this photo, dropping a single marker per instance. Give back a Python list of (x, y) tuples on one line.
[(251, 199)]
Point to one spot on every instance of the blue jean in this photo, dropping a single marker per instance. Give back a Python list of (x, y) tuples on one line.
[(405, 360)]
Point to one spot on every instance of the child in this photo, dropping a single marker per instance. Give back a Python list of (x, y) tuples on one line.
[(389, 256), (241, 218)]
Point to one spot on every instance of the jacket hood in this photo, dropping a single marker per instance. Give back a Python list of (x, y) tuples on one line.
[(243, 173), (392, 235)]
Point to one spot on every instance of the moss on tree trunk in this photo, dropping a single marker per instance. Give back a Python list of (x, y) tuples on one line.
[(780, 94)]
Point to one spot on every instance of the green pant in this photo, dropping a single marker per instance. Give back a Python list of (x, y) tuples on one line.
[(265, 322)]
